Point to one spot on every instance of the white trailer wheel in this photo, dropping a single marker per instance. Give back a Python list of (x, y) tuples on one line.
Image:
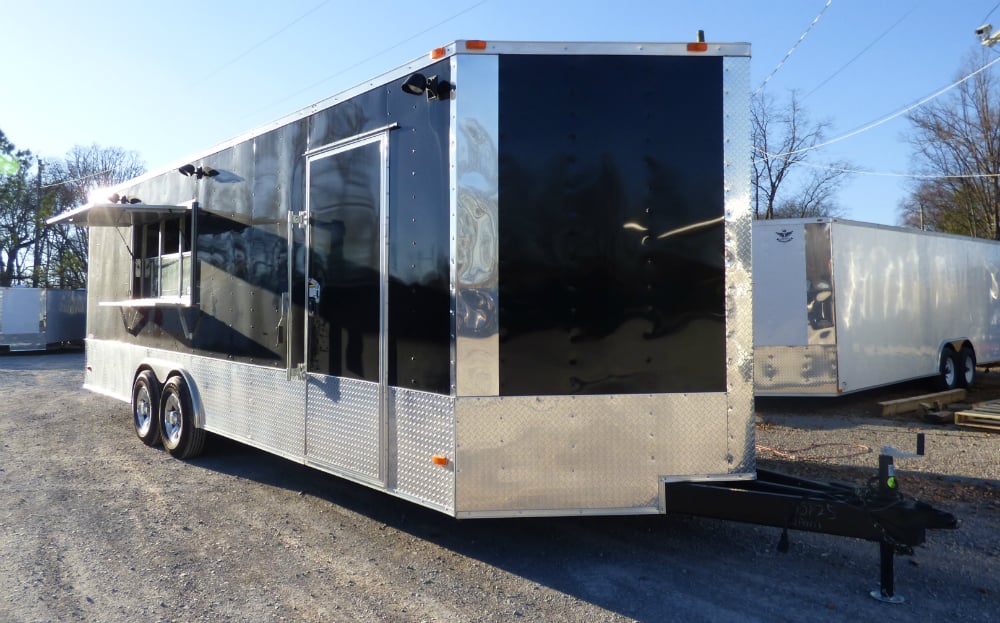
[(966, 366), (948, 370), (145, 408), (180, 436)]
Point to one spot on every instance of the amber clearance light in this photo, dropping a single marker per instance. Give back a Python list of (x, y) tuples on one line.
[(699, 44)]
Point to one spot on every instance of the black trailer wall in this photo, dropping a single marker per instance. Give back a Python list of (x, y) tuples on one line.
[(419, 347), (243, 248), (611, 235)]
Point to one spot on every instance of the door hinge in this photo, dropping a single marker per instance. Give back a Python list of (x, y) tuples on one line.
[(299, 218)]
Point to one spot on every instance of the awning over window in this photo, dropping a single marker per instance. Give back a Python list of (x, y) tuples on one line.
[(119, 214)]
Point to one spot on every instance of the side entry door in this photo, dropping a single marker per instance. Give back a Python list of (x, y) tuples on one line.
[(345, 307)]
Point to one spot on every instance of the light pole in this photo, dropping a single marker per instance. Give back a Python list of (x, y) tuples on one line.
[(987, 36)]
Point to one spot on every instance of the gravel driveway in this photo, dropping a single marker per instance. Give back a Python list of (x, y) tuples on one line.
[(94, 526)]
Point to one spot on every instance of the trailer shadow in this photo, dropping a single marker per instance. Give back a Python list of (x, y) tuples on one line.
[(639, 567)]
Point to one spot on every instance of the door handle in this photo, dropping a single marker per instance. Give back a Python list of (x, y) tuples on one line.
[(314, 296), (282, 319)]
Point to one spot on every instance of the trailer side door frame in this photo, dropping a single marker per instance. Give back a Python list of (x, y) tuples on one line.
[(346, 294)]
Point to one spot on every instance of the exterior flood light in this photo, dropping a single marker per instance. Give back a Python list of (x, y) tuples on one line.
[(418, 84), (189, 170), (115, 198)]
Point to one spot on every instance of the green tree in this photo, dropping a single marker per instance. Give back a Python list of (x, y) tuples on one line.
[(18, 201)]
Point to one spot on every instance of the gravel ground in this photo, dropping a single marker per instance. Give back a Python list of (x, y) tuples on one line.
[(94, 526)]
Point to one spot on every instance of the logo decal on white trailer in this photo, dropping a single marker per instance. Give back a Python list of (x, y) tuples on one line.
[(784, 235)]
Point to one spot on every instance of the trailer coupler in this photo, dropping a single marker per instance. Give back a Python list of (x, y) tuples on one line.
[(877, 511)]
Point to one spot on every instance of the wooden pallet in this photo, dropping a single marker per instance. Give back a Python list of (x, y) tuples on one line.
[(982, 415), (908, 405)]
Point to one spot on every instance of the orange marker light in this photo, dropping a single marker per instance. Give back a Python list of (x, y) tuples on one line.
[(437, 459), (475, 44), (698, 47), (437, 53)]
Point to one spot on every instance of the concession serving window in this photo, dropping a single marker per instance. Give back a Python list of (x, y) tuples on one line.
[(160, 246)]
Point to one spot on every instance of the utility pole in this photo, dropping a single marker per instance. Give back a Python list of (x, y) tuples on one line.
[(39, 231)]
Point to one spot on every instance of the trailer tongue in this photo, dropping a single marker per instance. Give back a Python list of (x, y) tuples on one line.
[(877, 512)]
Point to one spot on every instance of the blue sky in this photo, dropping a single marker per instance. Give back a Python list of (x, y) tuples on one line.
[(169, 79)]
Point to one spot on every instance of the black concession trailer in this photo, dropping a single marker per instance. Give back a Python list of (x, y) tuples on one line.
[(506, 279)]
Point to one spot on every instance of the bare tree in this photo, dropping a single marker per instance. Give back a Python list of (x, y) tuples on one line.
[(786, 182), (94, 166), (957, 141), (32, 191), (84, 169)]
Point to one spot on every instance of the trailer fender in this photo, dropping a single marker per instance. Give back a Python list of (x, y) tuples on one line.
[(164, 369), (954, 344)]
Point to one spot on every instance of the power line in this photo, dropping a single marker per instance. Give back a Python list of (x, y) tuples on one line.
[(369, 58), (892, 116), (246, 52), (79, 179), (920, 176), (990, 13), (859, 54), (801, 39)]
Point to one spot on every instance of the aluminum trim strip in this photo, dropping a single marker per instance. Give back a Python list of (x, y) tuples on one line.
[(738, 251), (599, 47), (351, 139), (475, 231)]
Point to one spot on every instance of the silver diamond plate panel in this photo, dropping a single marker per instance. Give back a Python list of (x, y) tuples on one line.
[(425, 427), (739, 235), (110, 368), (252, 404), (343, 426), (796, 370), (538, 454)]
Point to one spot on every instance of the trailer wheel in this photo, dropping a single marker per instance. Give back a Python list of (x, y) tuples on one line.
[(146, 408), (966, 366), (180, 436), (948, 369)]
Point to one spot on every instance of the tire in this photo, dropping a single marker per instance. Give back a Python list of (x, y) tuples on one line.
[(180, 436), (966, 367), (146, 408), (948, 370)]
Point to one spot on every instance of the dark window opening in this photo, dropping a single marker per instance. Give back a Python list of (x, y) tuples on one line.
[(162, 259)]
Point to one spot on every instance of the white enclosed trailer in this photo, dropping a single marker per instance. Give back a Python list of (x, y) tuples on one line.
[(476, 282), (842, 306), (33, 319)]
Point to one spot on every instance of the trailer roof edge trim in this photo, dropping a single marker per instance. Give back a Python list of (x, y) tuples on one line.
[(117, 214), (456, 48), (606, 48), (855, 223)]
